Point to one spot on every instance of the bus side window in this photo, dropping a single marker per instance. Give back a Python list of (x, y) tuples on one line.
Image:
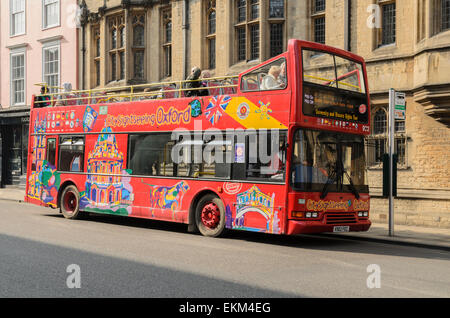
[(71, 154), (272, 76), (51, 151), (150, 154), (266, 155)]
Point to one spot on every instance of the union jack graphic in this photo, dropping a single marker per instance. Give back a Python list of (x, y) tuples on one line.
[(216, 106)]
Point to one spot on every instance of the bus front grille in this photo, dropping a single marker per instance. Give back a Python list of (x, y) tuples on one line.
[(340, 218)]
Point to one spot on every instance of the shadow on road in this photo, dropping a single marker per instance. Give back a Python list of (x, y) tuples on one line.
[(311, 242), (35, 269)]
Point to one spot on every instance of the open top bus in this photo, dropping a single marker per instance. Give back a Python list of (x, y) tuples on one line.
[(278, 149)]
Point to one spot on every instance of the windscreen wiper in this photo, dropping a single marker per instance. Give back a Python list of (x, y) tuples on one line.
[(352, 186), (334, 176), (331, 179)]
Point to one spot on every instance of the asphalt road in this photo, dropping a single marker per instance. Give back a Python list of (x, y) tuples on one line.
[(124, 257)]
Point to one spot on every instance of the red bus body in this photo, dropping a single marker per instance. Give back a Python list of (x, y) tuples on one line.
[(107, 185)]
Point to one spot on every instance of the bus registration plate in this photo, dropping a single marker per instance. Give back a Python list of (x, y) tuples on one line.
[(340, 229)]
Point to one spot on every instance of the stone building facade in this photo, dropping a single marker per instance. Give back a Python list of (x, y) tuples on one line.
[(406, 44)]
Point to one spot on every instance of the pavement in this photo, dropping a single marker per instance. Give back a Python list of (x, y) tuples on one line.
[(437, 238)]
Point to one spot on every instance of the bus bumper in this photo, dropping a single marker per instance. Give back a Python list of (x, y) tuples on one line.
[(309, 227)]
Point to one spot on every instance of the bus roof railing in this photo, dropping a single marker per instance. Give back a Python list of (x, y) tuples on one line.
[(161, 90)]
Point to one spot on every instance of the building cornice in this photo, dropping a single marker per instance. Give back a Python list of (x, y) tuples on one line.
[(51, 39), (17, 46), (387, 58)]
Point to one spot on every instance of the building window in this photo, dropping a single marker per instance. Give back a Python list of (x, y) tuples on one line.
[(254, 9), (421, 20), (97, 53), (377, 142), (276, 9), (318, 21), (241, 43), (17, 10), (319, 30), (380, 122), (18, 78), (116, 27), (276, 39), (212, 53), (276, 27), (388, 23), (247, 28), (139, 46), (50, 13), (51, 67), (167, 42), (445, 15), (441, 15), (254, 41), (319, 6), (242, 10), (211, 33)]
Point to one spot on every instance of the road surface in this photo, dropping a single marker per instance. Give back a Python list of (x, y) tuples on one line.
[(40, 252)]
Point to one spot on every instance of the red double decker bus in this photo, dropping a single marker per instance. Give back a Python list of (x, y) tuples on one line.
[(278, 149)]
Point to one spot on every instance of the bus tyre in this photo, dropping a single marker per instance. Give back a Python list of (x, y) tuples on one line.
[(210, 216), (70, 203)]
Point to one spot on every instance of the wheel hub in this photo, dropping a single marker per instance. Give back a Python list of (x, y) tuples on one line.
[(210, 215), (70, 202)]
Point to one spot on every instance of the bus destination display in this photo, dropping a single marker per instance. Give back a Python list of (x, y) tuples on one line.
[(319, 102)]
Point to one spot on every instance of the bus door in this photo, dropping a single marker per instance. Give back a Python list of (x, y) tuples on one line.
[(48, 176)]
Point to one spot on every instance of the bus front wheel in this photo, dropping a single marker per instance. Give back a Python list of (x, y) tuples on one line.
[(210, 216), (70, 203)]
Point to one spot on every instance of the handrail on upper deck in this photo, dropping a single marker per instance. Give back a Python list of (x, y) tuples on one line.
[(162, 90)]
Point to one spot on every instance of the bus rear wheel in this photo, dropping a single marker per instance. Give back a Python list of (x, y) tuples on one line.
[(70, 203), (210, 216)]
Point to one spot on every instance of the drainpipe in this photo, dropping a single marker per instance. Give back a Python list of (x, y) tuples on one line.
[(83, 20), (185, 27), (348, 26), (83, 57)]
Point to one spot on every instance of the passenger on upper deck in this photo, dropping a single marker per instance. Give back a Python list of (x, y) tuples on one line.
[(42, 100), (195, 83), (271, 81)]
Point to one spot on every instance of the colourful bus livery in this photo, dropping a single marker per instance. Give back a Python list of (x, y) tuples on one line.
[(275, 155)]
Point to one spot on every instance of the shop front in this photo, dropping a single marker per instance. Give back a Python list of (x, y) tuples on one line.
[(14, 146)]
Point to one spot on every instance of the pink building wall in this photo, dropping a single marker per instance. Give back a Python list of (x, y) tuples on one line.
[(33, 41)]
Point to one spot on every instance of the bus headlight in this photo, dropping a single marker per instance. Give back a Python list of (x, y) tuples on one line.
[(305, 215)]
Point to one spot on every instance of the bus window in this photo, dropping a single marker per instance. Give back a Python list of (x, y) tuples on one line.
[(349, 75), (51, 151), (204, 156), (319, 68), (266, 155), (272, 76), (333, 71), (71, 154), (150, 154)]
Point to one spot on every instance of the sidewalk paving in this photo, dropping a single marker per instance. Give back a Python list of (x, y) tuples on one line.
[(12, 194), (403, 234)]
